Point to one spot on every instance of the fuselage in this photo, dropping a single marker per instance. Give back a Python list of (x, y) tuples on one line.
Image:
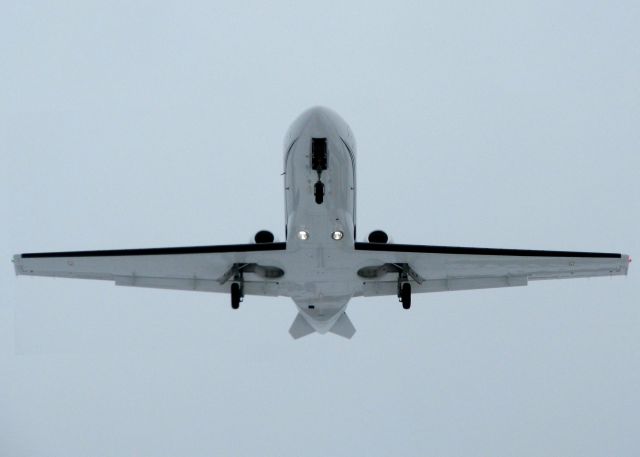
[(320, 212)]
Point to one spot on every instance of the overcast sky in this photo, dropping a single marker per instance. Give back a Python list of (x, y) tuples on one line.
[(143, 124)]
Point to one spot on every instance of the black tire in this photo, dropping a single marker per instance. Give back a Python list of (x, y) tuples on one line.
[(405, 295), (236, 296)]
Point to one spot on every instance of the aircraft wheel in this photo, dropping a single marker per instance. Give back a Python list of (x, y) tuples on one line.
[(405, 295), (236, 295)]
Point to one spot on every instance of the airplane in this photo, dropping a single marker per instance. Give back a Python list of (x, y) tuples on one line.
[(321, 266)]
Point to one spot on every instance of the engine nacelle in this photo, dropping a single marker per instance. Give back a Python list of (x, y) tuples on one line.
[(264, 236), (378, 236)]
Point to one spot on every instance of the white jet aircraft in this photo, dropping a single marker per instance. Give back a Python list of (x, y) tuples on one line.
[(321, 266)]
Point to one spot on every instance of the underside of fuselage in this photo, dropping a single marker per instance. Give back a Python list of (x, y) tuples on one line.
[(320, 189)]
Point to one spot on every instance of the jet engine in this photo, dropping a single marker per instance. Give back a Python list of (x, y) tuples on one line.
[(378, 236), (263, 236)]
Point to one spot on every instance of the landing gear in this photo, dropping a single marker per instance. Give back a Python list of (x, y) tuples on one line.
[(236, 295), (404, 287), (406, 277), (405, 295), (318, 192)]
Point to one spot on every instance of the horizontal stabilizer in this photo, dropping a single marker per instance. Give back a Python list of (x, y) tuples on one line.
[(300, 327), (343, 327)]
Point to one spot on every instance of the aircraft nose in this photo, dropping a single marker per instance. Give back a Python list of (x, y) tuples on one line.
[(318, 111), (317, 121), (316, 115)]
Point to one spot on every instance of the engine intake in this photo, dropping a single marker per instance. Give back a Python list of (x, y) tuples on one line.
[(378, 236), (264, 236)]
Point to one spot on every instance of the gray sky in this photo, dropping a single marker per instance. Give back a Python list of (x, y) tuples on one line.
[(497, 124)]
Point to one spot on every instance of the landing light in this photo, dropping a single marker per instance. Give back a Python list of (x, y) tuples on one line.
[(337, 235), (303, 235)]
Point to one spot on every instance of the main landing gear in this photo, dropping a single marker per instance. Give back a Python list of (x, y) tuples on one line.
[(237, 286), (404, 287), (405, 275), (236, 295), (235, 274), (404, 294)]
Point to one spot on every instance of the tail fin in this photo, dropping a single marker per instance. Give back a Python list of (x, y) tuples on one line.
[(343, 327), (300, 327)]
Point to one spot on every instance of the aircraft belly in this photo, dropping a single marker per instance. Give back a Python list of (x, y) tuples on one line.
[(311, 281), (320, 277)]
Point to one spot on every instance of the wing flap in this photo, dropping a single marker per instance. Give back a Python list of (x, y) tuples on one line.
[(264, 288), (374, 288)]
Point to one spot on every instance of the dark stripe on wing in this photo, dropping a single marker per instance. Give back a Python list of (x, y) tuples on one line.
[(478, 251), (164, 251)]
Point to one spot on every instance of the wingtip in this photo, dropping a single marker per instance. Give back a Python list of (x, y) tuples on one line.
[(626, 262), (17, 264)]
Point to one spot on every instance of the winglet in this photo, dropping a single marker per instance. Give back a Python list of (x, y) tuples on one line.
[(300, 327), (343, 327)]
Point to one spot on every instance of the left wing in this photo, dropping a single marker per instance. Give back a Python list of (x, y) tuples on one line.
[(202, 268), (442, 268)]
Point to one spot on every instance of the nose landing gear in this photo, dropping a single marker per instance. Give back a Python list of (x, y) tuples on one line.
[(318, 192)]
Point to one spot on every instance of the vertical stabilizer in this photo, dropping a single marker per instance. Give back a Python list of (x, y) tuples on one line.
[(343, 327), (300, 327)]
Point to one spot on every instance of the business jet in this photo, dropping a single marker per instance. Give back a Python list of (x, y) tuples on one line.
[(320, 265)]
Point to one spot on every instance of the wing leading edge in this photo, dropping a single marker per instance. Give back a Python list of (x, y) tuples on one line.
[(443, 268)]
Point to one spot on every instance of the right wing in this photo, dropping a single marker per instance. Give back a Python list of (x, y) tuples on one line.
[(444, 268), (202, 268)]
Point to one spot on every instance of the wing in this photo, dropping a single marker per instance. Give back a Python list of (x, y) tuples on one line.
[(202, 268), (443, 268)]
